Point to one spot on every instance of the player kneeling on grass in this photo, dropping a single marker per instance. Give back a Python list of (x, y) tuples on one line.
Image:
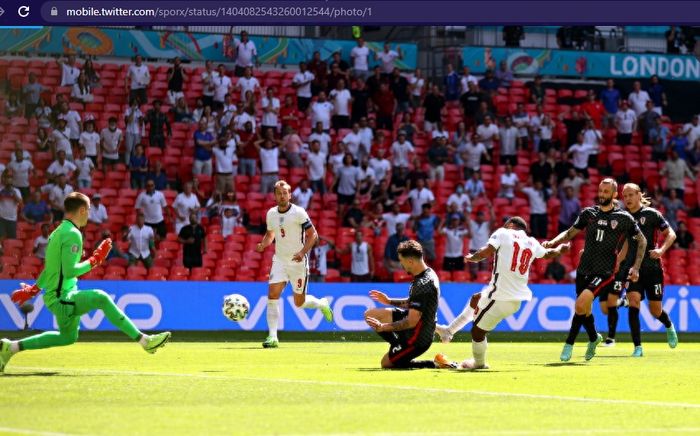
[(408, 327), (515, 251), (62, 267)]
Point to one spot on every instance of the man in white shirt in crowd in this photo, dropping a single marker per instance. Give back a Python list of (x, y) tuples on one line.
[(321, 111), (72, 118), (185, 203), (85, 167), (508, 182), (466, 78), (391, 219), (134, 120), (141, 240), (22, 171), (61, 166), (401, 150), (222, 86), (592, 137), (625, 123), (380, 165), (153, 203), (247, 83), (579, 153), (98, 212), (302, 82), (473, 153), (57, 194), (111, 138), (508, 135), (416, 84), (61, 138), (69, 70), (137, 80), (316, 167), (453, 259), (323, 138), (419, 196), (302, 195), (479, 231), (521, 120), (353, 141), (271, 109), (538, 195), (461, 199), (360, 60), (366, 138), (208, 84), (692, 130), (246, 54), (41, 242), (226, 160), (474, 187), (90, 139), (638, 98), (342, 101), (488, 132), (10, 204), (387, 58)]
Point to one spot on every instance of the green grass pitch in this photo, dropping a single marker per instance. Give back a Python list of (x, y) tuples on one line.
[(316, 387)]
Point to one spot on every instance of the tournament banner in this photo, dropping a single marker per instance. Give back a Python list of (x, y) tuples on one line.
[(103, 42), (157, 305), (582, 64)]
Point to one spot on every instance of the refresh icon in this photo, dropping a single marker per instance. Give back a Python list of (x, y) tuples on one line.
[(23, 11)]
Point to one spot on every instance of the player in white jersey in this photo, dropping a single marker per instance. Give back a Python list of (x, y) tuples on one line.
[(515, 251), (294, 235)]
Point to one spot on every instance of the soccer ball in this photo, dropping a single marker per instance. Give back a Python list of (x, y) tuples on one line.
[(235, 307)]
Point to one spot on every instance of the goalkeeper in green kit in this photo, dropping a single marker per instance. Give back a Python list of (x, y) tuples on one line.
[(59, 280)]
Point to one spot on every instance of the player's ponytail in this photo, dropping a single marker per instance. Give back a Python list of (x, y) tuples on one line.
[(646, 200)]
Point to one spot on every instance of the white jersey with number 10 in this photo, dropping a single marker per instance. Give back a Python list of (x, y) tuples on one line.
[(515, 252), (289, 228)]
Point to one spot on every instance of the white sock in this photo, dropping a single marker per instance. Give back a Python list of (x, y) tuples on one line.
[(479, 352), (273, 316), (312, 302), (143, 341), (14, 347), (462, 319)]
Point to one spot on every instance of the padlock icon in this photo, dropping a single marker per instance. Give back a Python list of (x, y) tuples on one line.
[(54, 11)]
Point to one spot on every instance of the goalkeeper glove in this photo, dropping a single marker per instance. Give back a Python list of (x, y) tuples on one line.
[(100, 254), (26, 292)]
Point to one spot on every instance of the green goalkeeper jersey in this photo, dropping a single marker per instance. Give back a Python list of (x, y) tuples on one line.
[(62, 265)]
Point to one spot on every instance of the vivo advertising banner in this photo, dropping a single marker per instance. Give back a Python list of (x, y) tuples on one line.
[(197, 306), (582, 63), (100, 42)]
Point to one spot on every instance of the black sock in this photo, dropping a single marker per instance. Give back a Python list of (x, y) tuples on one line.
[(589, 325), (634, 326), (613, 316), (576, 323), (420, 364), (664, 319)]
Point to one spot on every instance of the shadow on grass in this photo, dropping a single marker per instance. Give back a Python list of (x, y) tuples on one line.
[(36, 374), (556, 364)]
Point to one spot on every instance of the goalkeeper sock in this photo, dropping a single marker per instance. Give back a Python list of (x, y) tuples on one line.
[(479, 352), (143, 340), (15, 347), (462, 320), (311, 302), (273, 316)]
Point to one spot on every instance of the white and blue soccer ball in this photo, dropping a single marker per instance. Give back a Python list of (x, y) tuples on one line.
[(236, 307)]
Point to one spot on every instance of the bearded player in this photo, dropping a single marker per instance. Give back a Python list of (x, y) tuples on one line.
[(59, 280)]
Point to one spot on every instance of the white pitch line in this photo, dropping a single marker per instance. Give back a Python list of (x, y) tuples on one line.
[(380, 386), (33, 432), (522, 432)]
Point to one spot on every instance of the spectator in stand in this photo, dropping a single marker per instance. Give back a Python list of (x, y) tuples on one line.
[(194, 242), (692, 130), (41, 242), (208, 76), (555, 270), (380, 165), (360, 102), (512, 35), (675, 170), (400, 88), (246, 54), (592, 138), (474, 187), (321, 112), (177, 76), (471, 101), (657, 95), (366, 138), (439, 131), (316, 167), (638, 98), (57, 108), (31, 93), (420, 196), (479, 232), (61, 166), (473, 153), (417, 171), (452, 84), (98, 212), (43, 116), (375, 81), (204, 142), (135, 124), (391, 256), (181, 111), (269, 152), (245, 84), (318, 264), (434, 103), (354, 216), (537, 91), (658, 138), (159, 177), (90, 140), (229, 221), (387, 58), (385, 107), (438, 155), (72, 119), (115, 252), (222, 86), (185, 203), (289, 115), (323, 138), (460, 139), (111, 138), (490, 83), (343, 66), (394, 218), (488, 133), (226, 162), (401, 150), (647, 121), (674, 40), (342, 103), (230, 201), (453, 259), (302, 83), (367, 178), (69, 70), (610, 97), (504, 75), (454, 212), (336, 75), (579, 153), (319, 69), (461, 199), (416, 86), (542, 170), (360, 60), (35, 209), (426, 224), (10, 203), (570, 207), (85, 167), (22, 170), (509, 180), (684, 239), (347, 178), (574, 125), (483, 112), (137, 80), (303, 195), (153, 205), (537, 195), (508, 135), (157, 120), (141, 242), (593, 109), (562, 167), (521, 120), (57, 195), (81, 91), (672, 204), (626, 123), (466, 79)]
